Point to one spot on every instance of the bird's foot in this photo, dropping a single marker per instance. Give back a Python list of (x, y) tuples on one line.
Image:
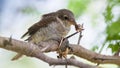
[(64, 49), (63, 54)]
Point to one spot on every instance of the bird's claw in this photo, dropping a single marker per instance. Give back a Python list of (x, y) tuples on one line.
[(64, 48), (70, 49)]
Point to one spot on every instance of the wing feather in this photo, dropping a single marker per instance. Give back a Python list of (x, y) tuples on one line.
[(46, 19)]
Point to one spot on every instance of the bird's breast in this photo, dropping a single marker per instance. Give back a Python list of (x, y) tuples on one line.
[(53, 30)]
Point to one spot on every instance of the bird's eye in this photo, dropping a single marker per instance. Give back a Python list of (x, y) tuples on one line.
[(65, 17)]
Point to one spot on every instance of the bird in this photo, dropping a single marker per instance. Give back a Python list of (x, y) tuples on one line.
[(51, 26)]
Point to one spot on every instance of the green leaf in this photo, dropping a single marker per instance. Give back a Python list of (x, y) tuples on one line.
[(108, 14), (114, 47), (113, 31), (94, 48), (114, 1), (77, 6)]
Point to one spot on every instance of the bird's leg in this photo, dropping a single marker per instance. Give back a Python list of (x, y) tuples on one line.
[(59, 50), (64, 49), (63, 41)]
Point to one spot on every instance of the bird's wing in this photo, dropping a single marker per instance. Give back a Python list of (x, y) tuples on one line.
[(42, 23), (49, 15)]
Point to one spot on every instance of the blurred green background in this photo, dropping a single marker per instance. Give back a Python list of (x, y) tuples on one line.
[(101, 19)]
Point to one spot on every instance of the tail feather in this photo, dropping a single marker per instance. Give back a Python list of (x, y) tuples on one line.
[(17, 57), (24, 35)]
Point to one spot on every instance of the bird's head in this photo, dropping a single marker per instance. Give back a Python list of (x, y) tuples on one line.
[(67, 17)]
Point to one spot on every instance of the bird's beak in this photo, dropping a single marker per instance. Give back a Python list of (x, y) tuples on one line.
[(77, 26), (73, 22)]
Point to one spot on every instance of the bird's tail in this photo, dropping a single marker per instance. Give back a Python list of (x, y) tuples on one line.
[(17, 57)]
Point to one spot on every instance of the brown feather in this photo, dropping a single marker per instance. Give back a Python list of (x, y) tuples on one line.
[(50, 27), (47, 19)]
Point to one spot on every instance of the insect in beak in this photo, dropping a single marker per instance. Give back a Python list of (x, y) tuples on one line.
[(78, 27)]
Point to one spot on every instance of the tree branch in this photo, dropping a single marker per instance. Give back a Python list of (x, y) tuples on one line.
[(32, 50)]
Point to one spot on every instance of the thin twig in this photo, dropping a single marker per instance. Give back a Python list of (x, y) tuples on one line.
[(71, 35), (61, 41), (80, 36)]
